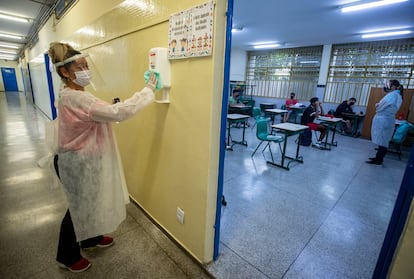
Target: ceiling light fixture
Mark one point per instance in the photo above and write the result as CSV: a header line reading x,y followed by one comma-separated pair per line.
x,y
11,36
369,5
266,46
309,62
237,29
9,46
8,51
7,57
385,34
14,18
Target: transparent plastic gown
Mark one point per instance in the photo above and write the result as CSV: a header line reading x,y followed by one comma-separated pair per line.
x,y
88,163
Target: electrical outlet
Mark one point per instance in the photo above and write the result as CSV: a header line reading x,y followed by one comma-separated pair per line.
x,y
180,215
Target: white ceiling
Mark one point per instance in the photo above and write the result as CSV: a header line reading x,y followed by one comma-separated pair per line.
x,y
290,23
297,23
31,9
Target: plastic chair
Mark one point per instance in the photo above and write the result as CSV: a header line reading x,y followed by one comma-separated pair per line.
x,y
263,135
399,137
257,115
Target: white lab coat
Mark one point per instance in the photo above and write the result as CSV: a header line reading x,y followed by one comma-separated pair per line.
x,y
88,163
383,124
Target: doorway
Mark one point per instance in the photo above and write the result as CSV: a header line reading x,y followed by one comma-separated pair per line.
x,y
9,79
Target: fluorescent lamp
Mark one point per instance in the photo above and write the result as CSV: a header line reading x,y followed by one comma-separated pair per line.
x,y
14,18
237,29
7,57
370,5
309,62
385,34
8,51
11,36
265,46
9,46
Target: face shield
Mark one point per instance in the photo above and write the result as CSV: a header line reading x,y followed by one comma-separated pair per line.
x,y
86,72
387,86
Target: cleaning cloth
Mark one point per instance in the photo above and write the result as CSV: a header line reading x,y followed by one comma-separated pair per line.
x,y
147,74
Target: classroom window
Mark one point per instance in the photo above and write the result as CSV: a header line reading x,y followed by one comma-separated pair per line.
x,y
355,68
275,73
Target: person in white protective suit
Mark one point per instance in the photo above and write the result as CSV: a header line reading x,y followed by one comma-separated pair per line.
x,y
87,161
383,124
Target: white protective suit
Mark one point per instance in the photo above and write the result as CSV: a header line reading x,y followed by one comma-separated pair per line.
x,y
88,164
383,124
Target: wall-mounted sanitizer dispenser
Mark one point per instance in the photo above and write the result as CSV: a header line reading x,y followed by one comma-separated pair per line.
x,y
158,60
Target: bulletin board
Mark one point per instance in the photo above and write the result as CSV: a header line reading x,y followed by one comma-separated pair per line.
x,y
191,32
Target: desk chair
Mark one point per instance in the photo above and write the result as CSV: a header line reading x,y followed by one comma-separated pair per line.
x,y
399,137
264,107
257,115
263,135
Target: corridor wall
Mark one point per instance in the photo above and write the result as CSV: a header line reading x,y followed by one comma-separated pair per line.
x,y
169,151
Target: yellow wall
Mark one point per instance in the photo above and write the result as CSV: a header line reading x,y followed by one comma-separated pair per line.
x,y
402,266
169,151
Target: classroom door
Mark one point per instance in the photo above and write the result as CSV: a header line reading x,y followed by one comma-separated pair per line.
x,y
9,79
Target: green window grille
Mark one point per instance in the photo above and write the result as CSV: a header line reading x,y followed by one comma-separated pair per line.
x,y
276,73
355,68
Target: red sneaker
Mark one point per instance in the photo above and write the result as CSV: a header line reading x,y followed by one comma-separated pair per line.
x,y
80,266
105,242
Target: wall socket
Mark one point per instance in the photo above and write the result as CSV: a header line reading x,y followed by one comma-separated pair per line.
x,y
180,215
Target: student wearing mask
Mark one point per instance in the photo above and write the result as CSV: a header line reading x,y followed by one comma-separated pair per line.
x,y
345,107
383,124
311,113
86,160
235,97
289,103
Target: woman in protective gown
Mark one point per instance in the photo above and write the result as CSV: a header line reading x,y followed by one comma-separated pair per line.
x,y
87,161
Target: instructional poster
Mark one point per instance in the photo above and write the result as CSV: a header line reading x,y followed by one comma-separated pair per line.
x,y
191,32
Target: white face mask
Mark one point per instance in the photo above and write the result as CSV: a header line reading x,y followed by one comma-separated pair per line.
x,y
82,78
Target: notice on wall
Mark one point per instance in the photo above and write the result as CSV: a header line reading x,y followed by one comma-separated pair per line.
x,y
191,32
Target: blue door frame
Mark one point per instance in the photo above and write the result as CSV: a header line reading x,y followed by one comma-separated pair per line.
x,y
50,86
223,128
9,79
397,222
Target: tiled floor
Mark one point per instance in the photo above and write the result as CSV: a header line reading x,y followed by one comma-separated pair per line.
x,y
31,211
325,218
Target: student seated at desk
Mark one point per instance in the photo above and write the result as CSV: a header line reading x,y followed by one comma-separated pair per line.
x,y
310,114
235,97
345,107
289,103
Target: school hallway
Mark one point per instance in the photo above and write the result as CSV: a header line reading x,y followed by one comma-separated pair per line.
x,y
32,210
325,218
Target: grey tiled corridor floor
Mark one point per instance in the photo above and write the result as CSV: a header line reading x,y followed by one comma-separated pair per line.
x,y
31,212
325,218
